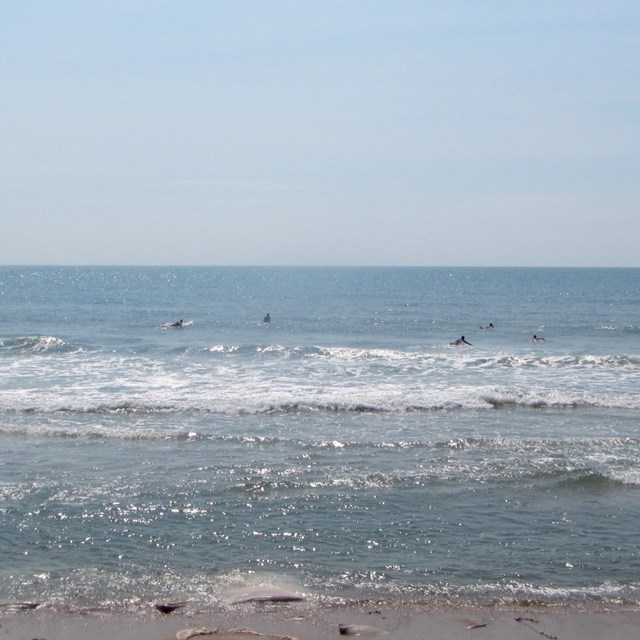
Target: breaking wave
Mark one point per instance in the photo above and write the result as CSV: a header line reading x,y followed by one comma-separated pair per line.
x,y
37,345
256,406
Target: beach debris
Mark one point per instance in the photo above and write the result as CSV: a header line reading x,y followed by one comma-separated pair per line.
x,y
251,632
169,607
262,595
527,622
19,606
478,625
358,630
185,634
472,624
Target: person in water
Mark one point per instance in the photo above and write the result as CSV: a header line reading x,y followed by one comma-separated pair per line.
x,y
460,341
266,319
177,324
537,338
489,326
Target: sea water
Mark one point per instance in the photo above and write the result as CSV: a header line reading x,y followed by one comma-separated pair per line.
x,y
346,450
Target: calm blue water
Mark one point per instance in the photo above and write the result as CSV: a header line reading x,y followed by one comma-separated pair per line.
x,y
346,450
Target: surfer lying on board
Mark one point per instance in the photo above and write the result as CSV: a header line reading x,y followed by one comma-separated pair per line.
x,y
537,338
176,325
460,341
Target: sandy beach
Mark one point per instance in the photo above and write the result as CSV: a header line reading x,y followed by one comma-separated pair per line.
x,y
275,621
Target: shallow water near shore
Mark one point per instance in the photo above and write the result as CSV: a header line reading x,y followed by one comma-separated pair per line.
x,y
344,451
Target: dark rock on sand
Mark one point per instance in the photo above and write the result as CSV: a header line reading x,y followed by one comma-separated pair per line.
x,y
358,630
168,607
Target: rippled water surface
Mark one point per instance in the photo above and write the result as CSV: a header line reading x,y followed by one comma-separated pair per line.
x,y
344,450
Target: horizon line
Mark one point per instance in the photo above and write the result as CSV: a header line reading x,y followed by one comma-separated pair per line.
x,y
310,266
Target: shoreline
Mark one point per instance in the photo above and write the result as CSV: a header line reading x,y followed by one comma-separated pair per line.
x,y
286,620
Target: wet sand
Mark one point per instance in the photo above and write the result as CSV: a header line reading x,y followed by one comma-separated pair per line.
x,y
409,622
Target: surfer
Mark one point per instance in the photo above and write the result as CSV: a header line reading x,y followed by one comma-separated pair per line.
x,y
266,319
460,341
489,326
178,324
537,338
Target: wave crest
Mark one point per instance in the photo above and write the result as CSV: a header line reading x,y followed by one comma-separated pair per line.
x,y
37,345
301,401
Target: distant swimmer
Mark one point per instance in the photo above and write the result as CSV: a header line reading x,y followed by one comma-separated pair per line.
x,y
178,324
267,319
489,326
460,341
537,338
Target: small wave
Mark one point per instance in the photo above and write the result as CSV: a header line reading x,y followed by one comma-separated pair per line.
x,y
462,444
259,407
352,353
419,361
96,432
337,354
303,402
508,399
525,594
320,484
613,361
38,344
630,329
539,403
582,478
125,408
118,408
224,348
585,361
108,591
588,480
255,350
627,476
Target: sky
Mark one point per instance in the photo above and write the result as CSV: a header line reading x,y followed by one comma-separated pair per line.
x,y
332,132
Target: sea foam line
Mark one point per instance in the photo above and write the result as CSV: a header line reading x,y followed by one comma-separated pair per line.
x,y
245,399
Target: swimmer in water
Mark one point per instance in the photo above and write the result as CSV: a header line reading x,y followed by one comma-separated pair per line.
x,y
537,338
177,324
267,319
460,341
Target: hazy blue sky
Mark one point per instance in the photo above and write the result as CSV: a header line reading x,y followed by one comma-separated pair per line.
x,y
395,132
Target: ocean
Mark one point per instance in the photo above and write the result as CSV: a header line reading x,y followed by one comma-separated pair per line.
x,y
345,450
